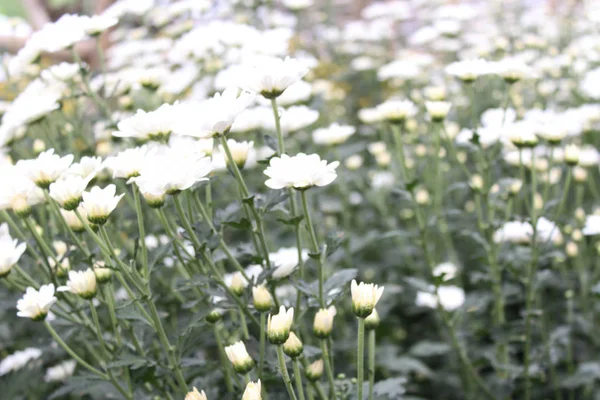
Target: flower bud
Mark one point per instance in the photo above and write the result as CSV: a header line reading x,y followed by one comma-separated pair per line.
x,y
20,206
102,273
515,187
364,298
438,110
263,301
238,283
580,174
571,155
154,200
314,371
372,321
214,316
323,323
538,202
354,162
239,357
279,325
476,182
81,283
293,347
422,197
571,249
196,395
38,146
60,268
253,391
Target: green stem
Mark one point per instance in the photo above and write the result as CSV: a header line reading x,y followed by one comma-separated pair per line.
x,y
399,142
328,366
371,367
261,359
284,373
315,245
110,301
298,378
72,353
360,358
224,361
280,142
142,231
94,96
169,350
245,195
98,329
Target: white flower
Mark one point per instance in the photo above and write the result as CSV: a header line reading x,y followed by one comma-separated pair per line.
x,y
450,298
571,155
10,251
86,167
60,372
213,117
72,220
239,357
295,118
323,323
99,203
239,151
196,395
18,192
592,225
512,69
271,76
96,24
333,134
297,4
63,72
252,391
55,36
438,110
515,232
36,304
469,70
67,191
447,269
18,360
46,168
170,171
364,297
154,125
285,261
81,283
128,163
279,325
396,111
301,171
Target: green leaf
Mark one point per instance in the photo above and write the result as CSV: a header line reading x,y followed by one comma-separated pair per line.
x,y
586,374
391,389
339,279
132,313
427,348
244,224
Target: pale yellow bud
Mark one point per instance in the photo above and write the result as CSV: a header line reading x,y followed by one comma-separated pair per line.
x,y
314,372
323,323
196,395
263,301
571,249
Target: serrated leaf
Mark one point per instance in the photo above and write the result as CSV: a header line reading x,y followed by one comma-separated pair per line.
x,y
339,279
428,348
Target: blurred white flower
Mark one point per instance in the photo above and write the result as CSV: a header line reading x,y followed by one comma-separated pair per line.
x,y
18,360
213,117
154,125
271,76
592,225
295,118
10,250
469,70
301,171
60,372
333,134
285,261
46,168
